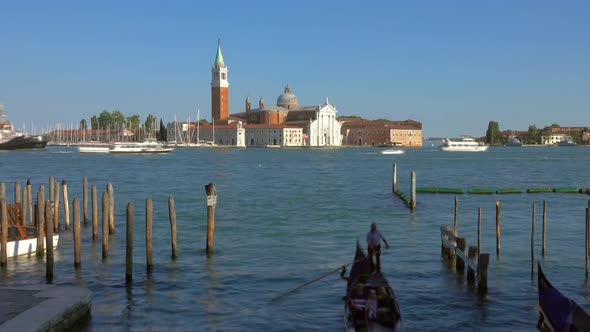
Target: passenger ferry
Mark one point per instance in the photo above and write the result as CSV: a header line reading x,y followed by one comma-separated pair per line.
x,y
139,147
466,144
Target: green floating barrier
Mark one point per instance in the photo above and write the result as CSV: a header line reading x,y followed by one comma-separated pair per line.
x,y
480,191
509,191
427,190
450,191
567,190
539,190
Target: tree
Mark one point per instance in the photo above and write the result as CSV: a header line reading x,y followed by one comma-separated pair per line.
x,y
94,122
577,136
83,124
117,120
493,134
149,124
162,136
533,134
132,123
104,120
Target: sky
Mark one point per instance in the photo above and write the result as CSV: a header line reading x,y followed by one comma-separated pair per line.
x,y
454,66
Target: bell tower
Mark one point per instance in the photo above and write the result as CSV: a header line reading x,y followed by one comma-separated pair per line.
x,y
219,87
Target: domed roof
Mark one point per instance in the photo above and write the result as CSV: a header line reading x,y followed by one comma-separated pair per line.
x,y
287,99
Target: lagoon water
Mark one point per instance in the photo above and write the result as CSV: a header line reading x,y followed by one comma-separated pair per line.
x,y
286,216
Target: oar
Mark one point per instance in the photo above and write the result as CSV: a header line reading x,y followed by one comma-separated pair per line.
x,y
310,282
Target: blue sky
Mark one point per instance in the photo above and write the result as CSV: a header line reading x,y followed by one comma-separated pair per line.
x,y
452,65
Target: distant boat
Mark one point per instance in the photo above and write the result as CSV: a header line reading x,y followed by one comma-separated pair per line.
x,y
389,145
139,147
556,311
465,144
514,142
392,151
567,142
11,139
94,147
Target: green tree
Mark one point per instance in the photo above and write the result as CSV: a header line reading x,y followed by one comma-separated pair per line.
x,y
117,120
577,136
149,125
83,124
533,134
94,122
104,120
133,122
162,136
493,134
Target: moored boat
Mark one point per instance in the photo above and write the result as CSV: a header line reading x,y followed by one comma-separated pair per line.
x,y
11,139
556,311
465,144
370,303
566,142
22,240
514,142
392,151
94,147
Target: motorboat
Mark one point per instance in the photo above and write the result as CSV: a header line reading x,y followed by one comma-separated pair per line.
x,y
513,141
465,144
392,151
22,240
149,146
94,147
370,303
566,142
11,139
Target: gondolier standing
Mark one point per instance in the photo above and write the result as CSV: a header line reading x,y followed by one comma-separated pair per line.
x,y
374,238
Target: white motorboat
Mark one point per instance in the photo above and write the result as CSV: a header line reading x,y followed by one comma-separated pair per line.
x,y
465,144
392,151
139,147
94,147
11,139
22,240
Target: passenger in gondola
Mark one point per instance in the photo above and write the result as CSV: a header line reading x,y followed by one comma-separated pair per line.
x,y
374,238
371,306
357,305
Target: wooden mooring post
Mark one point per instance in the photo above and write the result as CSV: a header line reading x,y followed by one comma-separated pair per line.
x,y
129,243
587,243
94,213
413,194
16,192
394,179
497,228
23,207
456,216
40,220
30,201
148,235
172,216
544,228
56,208
77,252
476,263
2,190
4,237
211,202
49,241
478,231
64,189
105,225
111,208
533,242
85,199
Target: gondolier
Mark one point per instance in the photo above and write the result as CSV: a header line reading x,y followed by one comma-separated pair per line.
x,y
374,237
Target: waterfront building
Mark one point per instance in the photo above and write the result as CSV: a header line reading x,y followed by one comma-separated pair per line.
x,y
273,135
219,87
362,132
554,139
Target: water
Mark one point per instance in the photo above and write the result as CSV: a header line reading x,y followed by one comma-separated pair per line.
x,y
286,216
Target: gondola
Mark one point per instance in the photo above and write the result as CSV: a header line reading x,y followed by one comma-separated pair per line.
x,y
370,303
556,311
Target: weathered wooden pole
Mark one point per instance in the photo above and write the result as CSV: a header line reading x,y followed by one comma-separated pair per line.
x,y
148,234
456,217
444,249
85,199
129,244
461,244
482,272
172,215
533,242
4,237
64,186
2,190
49,241
587,242
77,253
472,256
478,231
23,207
394,179
94,213
211,202
544,228
56,208
413,194
111,208
51,190
40,220
105,225
498,228
16,192
30,201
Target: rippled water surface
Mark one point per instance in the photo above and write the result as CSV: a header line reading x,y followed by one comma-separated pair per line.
x,y
286,216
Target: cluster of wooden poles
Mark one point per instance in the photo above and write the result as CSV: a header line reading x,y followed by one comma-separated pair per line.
x,y
411,201
44,215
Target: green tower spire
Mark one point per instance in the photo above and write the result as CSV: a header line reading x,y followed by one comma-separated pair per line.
x,y
219,56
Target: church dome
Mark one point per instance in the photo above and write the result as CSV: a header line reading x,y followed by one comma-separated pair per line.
x,y
287,99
